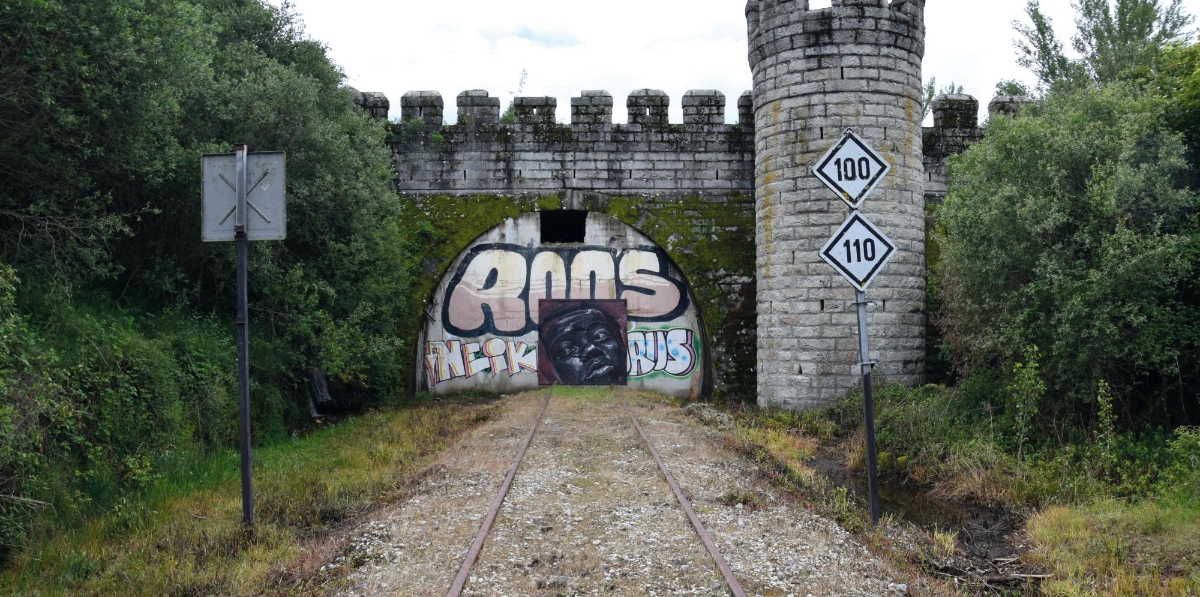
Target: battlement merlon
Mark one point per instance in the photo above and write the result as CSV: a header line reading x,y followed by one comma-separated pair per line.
x,y
592,109
746,112
955,111
1008,105
422,105
648,107
704,106
477,109
534,110
789,27
374,103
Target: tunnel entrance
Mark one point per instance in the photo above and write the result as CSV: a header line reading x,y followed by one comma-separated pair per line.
x,y
481,327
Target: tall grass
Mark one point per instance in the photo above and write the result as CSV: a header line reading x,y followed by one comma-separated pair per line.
x,y
183,534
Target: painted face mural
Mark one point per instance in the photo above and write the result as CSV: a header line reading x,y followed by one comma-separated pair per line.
x,y
583,343
620,313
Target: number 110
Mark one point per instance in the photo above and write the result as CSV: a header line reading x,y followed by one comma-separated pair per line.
x,y
864,250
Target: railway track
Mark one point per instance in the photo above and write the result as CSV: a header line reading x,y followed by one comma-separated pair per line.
x,y
464,574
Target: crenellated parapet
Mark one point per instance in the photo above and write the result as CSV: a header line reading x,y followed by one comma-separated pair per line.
x,y
955,128
536,154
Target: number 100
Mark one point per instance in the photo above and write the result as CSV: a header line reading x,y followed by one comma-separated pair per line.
x,y
851,169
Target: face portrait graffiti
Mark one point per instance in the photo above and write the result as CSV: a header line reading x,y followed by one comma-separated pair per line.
x,y
582,342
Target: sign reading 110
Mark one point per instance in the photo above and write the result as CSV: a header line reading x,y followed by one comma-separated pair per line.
x,y
863,250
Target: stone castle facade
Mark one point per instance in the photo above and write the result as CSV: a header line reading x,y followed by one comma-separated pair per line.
x,y
816,73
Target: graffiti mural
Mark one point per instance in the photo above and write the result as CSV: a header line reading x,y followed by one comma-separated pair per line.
x,y
583,342
669,351
453,358
514,311
497,286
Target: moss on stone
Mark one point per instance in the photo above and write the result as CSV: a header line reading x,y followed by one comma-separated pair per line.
x,y
712,241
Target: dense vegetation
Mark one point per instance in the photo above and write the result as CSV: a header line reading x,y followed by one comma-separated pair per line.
x,y
116,350
1067,286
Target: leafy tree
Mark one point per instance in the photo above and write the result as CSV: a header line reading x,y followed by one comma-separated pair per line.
x,y
87,109
106,107
1012,87
1113,39
1177,78
1073,229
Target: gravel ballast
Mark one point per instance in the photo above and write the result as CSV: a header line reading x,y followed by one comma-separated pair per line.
x,y
589,513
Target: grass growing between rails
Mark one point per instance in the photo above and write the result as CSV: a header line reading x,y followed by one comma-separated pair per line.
x,y
183,536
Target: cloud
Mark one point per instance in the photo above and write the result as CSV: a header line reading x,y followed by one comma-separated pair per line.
x,y
546,38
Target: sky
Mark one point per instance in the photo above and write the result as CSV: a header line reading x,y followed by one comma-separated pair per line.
x,y
564,47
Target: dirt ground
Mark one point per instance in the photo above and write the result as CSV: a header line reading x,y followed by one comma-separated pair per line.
x,y
589,513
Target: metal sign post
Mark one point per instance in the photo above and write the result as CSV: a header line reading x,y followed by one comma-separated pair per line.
x,y
860,301
226,181
243,334
858,251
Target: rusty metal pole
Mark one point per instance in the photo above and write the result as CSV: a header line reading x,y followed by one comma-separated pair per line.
x,y
243,334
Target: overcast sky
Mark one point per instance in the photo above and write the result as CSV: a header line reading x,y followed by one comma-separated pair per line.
x,y
396,46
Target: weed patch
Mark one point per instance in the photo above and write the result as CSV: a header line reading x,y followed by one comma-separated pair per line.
x,y
1112,547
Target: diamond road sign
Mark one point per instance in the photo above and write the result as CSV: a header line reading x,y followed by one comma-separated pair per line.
x,y
266,217
851,169
858,250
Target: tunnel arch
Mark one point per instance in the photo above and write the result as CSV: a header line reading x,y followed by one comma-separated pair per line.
x,y
481,326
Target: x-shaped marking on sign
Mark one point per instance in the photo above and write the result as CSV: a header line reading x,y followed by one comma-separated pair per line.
x,y
251,190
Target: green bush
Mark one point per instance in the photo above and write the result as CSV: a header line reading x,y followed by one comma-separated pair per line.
x,y
98,400
30,397
1072,229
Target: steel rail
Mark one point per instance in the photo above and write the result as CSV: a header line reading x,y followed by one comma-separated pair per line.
x,y
464,572
730,579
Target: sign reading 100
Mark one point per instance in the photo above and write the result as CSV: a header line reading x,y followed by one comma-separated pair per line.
x,y
851,169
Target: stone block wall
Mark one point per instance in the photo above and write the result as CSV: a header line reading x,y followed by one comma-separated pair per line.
x,y
780,321
855,65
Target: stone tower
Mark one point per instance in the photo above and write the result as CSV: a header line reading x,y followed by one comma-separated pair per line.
x,y
855,65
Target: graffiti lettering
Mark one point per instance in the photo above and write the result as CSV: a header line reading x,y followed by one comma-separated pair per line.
x,y
453,358
496,287
670,351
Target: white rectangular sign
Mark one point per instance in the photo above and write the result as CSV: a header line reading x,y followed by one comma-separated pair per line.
x,y
266,202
